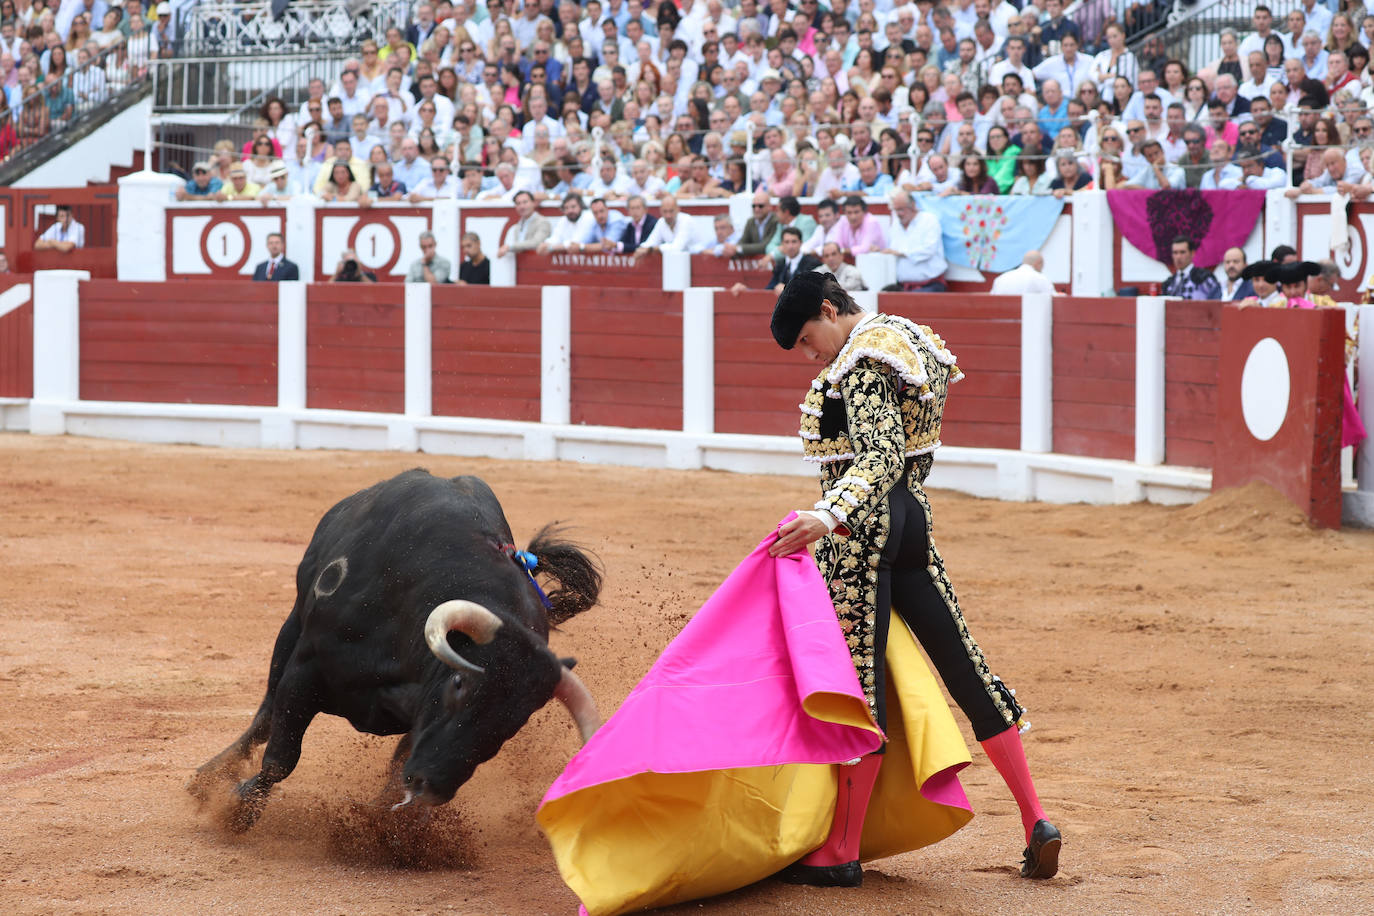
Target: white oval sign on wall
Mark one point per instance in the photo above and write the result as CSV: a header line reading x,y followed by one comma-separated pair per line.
x,y
1264,389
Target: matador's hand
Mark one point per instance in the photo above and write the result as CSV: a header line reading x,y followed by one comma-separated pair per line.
x,y
797,534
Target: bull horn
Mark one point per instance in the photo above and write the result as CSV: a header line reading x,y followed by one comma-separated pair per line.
x,y
572,693
467,617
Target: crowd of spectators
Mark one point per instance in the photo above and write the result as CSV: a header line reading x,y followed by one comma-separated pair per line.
x,y
59,58
618,98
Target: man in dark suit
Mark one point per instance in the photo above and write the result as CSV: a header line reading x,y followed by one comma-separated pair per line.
x,y
276,267
637,227
789,262
760,228
422,27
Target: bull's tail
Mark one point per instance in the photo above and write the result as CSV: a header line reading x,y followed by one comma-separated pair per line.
x,y
576,572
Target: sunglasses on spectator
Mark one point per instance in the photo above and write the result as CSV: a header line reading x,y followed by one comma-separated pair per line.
x,y
1255,133
1111,139
1195,141
1133,130
1364,130
760,206
438,168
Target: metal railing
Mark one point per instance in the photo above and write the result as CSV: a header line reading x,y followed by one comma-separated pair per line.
x,y
50,114
228,28
226,84
1194,34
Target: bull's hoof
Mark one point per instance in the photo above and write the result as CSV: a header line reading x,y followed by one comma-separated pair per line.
x,y
244,814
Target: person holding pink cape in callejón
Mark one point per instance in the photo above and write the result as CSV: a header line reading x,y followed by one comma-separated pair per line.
x,y
792,729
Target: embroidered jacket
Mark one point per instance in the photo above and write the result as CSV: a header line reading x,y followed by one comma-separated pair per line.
x,y
873,410
886,387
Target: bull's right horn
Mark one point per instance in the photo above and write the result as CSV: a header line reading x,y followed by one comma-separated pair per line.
x,y
467,617
572,693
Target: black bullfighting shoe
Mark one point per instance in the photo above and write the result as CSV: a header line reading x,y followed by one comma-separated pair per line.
x,y
1041,858
850,874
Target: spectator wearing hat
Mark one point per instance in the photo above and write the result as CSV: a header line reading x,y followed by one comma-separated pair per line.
x,y
278,184
1189,281
164,33
240,188
276,268
1265,292
202,184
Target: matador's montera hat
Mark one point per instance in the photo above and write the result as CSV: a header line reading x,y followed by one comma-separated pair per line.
x,y
799,303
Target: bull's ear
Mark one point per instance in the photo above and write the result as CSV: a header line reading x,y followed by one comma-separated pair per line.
x,y
568,662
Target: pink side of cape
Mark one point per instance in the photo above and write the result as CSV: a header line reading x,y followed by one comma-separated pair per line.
x,y
728,691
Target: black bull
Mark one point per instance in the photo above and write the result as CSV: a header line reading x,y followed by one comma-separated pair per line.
x,y
413,616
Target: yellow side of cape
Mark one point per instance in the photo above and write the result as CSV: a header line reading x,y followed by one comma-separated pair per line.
x,y
660,838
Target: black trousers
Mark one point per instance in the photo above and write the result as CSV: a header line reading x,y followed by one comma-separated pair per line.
x,y
904,584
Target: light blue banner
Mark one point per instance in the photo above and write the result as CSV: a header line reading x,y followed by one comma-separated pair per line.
x,y
992,233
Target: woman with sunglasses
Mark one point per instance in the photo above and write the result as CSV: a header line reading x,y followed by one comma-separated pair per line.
x,y
1194,100
1110,174
258,166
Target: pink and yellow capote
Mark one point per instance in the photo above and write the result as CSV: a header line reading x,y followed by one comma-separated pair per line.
x,y
719,768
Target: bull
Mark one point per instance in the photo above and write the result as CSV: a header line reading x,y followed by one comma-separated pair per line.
x,y
415,615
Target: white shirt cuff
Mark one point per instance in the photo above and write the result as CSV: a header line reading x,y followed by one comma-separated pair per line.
x,y
830,522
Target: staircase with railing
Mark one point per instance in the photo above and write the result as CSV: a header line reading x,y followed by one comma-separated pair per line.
x,y
1192,33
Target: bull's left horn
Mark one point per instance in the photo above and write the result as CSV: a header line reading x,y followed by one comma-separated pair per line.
x,y
466,616
572,693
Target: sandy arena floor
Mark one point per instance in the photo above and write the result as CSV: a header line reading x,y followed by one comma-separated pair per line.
x,y
1197,678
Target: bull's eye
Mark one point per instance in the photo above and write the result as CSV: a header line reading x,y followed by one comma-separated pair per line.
x,y
457,682
455,686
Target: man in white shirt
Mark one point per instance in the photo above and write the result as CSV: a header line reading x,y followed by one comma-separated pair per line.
x,y
1148,85
539,116
916,240
64,235
644,182
847,275
840,174
1260,177
1263,21
1259,82
355,99
1223,175
827,220
410,170
1015,50
1172,140
1069,68
1157,173
1233,282
571,229
674,231
1318,17
609,183
1028,278
439,184
505,189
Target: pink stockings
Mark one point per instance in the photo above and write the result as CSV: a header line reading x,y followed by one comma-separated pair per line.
x,y
851,804
1007,755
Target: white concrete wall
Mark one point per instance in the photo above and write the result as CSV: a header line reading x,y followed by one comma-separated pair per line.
x,y
1030,473
112,144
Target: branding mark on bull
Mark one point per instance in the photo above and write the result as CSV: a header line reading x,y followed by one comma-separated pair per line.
x,y
331,577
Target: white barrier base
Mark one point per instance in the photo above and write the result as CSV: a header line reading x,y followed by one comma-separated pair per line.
x,y
992,473
14,414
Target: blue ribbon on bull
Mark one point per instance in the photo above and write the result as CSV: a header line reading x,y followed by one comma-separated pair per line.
x,y
529,562
992,233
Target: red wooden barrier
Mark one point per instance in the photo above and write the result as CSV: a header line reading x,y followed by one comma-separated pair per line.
x,y
1192,346
627,358
94,208
355,346
16,344
168,342
1094,377
1292,443
486,352
758,384
984,333
598,270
